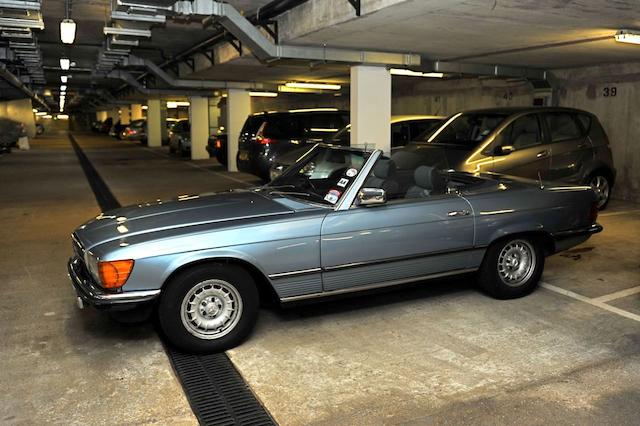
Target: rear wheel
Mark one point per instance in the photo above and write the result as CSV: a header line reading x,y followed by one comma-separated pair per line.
x,y
512,267
209,308
602,187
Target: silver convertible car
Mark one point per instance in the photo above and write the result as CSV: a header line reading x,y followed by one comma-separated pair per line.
x,y
338,221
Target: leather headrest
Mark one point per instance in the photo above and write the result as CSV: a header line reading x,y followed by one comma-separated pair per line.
x,y
428,178
383,169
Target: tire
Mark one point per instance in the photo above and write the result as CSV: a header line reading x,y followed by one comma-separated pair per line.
x,y
501,278
222,282
601,184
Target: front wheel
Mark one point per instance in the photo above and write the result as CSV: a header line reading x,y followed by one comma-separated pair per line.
x,y
209,308
511,268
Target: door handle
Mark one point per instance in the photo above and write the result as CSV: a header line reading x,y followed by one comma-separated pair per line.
x,y
542,154
459,213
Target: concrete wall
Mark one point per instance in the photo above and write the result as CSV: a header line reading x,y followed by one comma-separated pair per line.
x,y
612,92
20,110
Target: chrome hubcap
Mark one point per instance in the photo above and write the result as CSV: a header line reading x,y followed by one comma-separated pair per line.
x,y
600,185
516,262
211,309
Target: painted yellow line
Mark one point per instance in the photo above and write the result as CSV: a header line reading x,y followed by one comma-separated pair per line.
x,y
618,294
590,301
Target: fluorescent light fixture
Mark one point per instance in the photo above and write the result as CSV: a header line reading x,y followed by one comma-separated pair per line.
x,y
41,114
411,73
628,36
174,104
320,86
64,78
63,88
65,63
47,116
34,110
63,117
313,109
145,107
67,31
263,94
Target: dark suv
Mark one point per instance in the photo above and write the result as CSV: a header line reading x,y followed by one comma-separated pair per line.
x,y
267,135
553,144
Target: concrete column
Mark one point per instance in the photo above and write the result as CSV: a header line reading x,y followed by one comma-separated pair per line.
x,y
114,114
125,115
155,123
136,111
214,115
371,107
238,108
101,115
199,119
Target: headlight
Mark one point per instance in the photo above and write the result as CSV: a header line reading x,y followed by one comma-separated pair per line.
x,y
91,261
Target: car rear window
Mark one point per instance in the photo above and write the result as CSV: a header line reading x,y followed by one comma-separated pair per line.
x,y
252,124
562,126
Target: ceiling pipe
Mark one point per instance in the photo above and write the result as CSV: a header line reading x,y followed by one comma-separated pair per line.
x,y
16,82
183,83
131,81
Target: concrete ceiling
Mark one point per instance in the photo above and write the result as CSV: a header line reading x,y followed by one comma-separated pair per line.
x,y
479,30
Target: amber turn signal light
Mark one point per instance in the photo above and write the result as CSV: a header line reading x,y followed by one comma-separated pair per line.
x,y
115,273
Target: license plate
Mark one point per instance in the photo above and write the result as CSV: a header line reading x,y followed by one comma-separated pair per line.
x,y
243,156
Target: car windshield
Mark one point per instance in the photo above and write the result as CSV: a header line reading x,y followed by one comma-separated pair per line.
x,y
322,175
466,130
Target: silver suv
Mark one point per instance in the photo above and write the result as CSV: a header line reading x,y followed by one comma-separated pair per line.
x,y
547,143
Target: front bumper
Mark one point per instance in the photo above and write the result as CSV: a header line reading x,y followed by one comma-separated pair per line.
x,y
90,293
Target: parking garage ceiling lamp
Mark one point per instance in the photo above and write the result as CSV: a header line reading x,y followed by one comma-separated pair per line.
x,y
65,63
321,86
628,36
263,94
63,88
174,105
410,73
64,79
67,31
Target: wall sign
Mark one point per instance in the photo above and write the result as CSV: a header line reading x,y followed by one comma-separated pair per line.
x,y
609,91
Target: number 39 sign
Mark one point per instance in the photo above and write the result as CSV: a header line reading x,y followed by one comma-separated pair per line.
x,y
609,91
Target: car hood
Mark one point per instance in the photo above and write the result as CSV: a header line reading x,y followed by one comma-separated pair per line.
x,y
182,212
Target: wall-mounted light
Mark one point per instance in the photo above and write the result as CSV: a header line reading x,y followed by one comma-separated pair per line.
x,y
411,73
263,94
320,86
67,31
34,110
65,63
64,78
628,36
41,114
144,107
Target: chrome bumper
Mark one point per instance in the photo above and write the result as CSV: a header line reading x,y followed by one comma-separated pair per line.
x,y
90,293
589,230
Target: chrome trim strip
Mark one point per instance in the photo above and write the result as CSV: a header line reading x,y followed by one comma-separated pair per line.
x,y
593,229
375,286
370,262
295,273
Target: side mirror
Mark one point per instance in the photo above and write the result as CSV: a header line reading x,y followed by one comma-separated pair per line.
x,y
504,150
371,196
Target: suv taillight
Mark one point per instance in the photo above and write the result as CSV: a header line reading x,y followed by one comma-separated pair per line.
x,y
264,141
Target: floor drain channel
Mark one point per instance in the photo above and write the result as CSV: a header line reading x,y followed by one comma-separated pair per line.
x,y
216,391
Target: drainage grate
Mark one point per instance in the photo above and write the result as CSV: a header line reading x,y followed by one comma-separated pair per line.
x,y
217,393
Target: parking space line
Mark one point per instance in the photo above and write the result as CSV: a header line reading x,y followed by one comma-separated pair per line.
x,y
619,213
590,301
201,167
618,294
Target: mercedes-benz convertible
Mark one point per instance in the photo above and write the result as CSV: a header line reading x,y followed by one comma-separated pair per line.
x,y
338,221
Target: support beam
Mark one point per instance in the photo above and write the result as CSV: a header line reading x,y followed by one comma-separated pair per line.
x,y
136,112
238,108
371,107
155,124
199,119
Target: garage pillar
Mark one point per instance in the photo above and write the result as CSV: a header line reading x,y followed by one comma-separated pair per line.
x,y
199,119
136,111
114,113
238,108
155,122
125,115
101,115
371,107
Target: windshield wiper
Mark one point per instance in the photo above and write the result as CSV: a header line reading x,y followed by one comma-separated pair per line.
x,y
304,194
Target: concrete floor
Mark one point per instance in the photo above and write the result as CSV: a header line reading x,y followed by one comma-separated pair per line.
x,y
439,352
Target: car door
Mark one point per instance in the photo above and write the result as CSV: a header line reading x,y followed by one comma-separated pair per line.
x,y
570,146
524,152
402,240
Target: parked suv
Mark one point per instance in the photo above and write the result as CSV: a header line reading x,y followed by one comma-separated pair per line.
x,y
547,143
267,135
180,138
